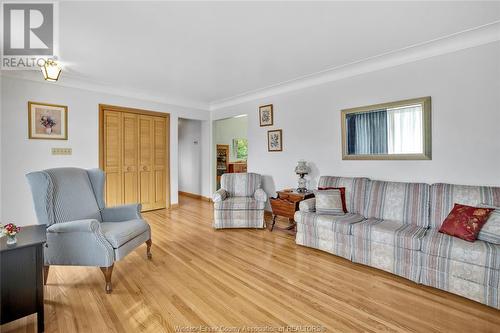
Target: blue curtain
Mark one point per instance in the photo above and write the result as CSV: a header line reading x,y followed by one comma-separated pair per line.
x,y
367,133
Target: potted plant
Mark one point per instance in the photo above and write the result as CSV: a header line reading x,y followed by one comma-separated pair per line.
x,y
10,230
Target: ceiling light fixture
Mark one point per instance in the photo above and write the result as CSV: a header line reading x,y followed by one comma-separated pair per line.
x,y
51,69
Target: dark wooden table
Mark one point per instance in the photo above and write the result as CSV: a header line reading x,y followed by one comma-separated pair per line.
x,y
286,204
21,274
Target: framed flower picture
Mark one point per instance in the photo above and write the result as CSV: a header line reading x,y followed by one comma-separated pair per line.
x,y
266,115
275,140
47,121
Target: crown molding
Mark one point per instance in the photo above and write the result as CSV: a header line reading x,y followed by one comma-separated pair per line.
x,y
481,35
68,80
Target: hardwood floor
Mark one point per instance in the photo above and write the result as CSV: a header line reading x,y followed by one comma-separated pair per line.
x,y
236,278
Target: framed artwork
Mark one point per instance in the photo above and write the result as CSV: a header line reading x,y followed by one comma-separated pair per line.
x,y
275,140
266,115
47,121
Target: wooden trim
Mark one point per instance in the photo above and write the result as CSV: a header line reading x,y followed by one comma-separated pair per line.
x,y
174,206
195,196
48,104
103,107
426,129
133,110
191,195
167,162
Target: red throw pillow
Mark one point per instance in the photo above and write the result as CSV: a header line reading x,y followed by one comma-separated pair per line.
x,y
342,195
465,221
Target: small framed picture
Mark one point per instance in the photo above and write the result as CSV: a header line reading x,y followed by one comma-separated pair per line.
x,y
275,140
266,115
47,121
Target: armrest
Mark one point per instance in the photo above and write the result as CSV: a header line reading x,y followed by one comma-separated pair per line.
x,y
260,195
308,205
80,243
121,213
220,195
90,226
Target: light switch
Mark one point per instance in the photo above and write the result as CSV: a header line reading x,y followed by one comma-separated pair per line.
x,y
62,151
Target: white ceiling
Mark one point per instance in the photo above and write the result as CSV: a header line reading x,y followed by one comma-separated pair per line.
x,y
209,51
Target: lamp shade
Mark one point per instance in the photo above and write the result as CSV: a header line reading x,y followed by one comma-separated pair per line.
x,y
302,168
51,70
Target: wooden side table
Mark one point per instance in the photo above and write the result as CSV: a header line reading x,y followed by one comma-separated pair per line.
x,y
21,280
286,204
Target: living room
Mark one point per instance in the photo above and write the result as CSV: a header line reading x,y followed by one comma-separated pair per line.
x,y
261,166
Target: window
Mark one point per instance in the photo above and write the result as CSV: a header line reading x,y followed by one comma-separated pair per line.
x,y
240,148
397,130
404,130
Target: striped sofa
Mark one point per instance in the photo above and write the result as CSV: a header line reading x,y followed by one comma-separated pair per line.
x,y
394,227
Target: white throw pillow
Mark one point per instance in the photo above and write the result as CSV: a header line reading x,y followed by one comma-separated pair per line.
x,y
329,202
490,232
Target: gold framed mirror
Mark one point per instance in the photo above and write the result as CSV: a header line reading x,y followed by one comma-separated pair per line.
x,y
398,130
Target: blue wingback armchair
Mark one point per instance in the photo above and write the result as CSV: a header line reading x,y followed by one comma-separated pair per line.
x,y
81,231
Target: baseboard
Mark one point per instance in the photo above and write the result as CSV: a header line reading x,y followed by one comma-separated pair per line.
x,y
174,206
195,196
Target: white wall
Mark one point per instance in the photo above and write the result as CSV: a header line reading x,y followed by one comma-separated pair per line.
x,y
465,91
24,155
1,151
206,162
190,156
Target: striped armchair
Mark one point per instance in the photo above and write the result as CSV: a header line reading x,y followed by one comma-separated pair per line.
x,y
81,231
240,202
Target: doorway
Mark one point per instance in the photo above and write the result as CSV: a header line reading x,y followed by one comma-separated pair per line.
x,y
230,146
190,157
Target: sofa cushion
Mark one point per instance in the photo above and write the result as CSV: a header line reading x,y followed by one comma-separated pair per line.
x,y
355,189
404,202
342,195
444,196
330,202
395,233
477,253
241,184
333,223
119,233
73,195
465,222
239,203
490,232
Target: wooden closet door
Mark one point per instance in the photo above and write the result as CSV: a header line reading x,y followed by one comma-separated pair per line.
x,y
160,162
112,127
146,188
130,158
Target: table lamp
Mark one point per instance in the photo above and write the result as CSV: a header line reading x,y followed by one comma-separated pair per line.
x,y
302,169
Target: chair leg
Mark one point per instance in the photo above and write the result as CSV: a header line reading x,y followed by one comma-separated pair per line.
x,y
148,248
107,271
45,274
